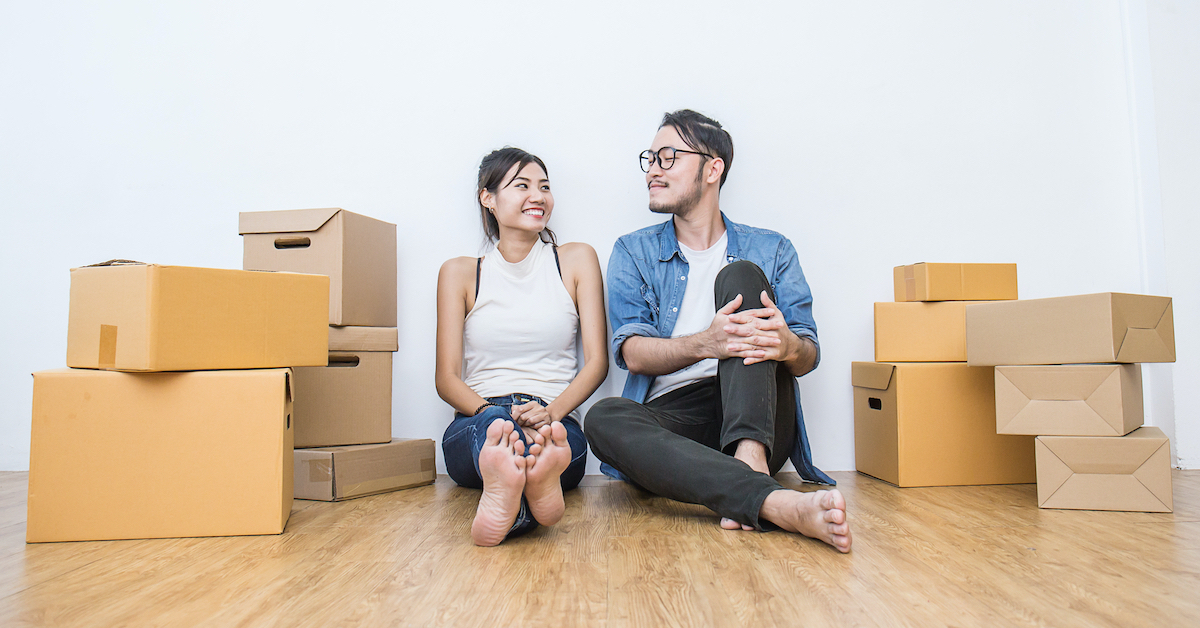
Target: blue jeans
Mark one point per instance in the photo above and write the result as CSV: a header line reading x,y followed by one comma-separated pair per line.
x,y
466,435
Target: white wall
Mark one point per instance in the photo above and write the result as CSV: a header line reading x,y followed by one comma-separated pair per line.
x,y
873,135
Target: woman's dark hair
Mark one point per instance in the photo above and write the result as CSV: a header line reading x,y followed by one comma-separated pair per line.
x,y
704,134
492,171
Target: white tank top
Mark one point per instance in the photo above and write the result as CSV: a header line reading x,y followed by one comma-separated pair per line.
x,y
520,336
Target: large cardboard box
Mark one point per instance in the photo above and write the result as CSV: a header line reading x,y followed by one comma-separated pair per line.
x,y
921,332
1088,328
152,455
356,252
348,401
145,317
337,473
1130,472
1069,399
933,424
955,282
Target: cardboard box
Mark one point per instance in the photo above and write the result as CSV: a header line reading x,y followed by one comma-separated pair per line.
x,y
363,339
955,282
1130,472
1069,400
356,252
145,317
933,424
1088,328
337,473
921,332
349,401
153,455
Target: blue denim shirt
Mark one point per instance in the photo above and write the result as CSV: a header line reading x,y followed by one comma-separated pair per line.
x,y
647,275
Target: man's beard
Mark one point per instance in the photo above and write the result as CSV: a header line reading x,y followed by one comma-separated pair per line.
x,y
685,205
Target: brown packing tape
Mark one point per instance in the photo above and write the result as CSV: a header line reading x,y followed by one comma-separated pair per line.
x,y
427,464
320,470
108,346
381,485
910,282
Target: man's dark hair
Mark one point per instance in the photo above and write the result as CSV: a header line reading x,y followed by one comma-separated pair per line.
x,y
702,133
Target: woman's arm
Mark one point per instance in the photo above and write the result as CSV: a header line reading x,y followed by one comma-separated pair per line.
x,y
581,276
455,296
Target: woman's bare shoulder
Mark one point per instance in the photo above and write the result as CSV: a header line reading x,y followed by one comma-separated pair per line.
x,y
458,269
580,252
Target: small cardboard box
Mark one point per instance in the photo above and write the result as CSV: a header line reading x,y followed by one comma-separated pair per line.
x,y
1130,472
1083,329
145,317
154,455
1069,400
955,282
336,473
356,252
348,401
933,424
921,332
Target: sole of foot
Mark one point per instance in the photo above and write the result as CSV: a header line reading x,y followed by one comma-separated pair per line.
x,y
502,464
550,455
820,515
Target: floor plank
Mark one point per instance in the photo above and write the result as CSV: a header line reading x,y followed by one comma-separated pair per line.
x,y
959,556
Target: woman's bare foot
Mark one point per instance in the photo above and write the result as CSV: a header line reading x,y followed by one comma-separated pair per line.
x,y
502,464
754,454
550,455
820,515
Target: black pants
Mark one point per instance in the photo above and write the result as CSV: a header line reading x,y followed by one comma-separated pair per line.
x,y
681,445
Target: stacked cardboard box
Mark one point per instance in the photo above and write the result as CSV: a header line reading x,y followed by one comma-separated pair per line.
x,y
175,418
922,416
1067,370
343,409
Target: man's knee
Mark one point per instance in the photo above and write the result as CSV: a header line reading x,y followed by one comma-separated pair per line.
x,y
745,278
603,415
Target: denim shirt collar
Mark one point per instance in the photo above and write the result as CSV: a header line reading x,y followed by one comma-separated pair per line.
x,y
668,243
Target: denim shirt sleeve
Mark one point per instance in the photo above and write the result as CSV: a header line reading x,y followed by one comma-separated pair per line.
x,y
632,306
794,296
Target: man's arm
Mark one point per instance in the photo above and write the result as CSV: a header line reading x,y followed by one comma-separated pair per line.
x,y
659,356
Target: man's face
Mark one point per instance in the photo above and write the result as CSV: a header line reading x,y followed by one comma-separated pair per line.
x,y
676,190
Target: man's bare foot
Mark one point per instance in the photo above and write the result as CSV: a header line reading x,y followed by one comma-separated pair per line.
x,y
820,515
502,464
551,453
754,454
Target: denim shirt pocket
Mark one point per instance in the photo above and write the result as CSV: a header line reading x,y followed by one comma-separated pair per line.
x,y
648,295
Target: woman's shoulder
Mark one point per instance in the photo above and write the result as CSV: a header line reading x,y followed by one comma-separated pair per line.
x,y
458,268
577,251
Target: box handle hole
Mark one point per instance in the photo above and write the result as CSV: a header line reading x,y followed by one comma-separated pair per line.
x,y
875,402
292,243
346,361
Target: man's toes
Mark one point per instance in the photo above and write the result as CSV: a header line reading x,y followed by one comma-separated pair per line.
x,y
833,499
730,524
835,516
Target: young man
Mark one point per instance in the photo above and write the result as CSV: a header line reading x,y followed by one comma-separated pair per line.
x,y
713,320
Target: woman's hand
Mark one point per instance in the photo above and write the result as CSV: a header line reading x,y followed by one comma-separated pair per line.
x,y
532,415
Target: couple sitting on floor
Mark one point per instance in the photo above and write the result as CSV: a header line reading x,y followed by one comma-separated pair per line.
x,y
712,319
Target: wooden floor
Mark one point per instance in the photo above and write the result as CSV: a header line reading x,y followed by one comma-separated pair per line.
x,y
979,556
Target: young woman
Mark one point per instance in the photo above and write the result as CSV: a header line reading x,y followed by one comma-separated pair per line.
x,y
507,325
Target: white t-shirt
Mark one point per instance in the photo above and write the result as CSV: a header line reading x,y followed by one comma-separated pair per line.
x,y
695,313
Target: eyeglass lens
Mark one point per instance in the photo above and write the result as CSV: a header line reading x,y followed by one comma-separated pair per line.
x,y
665,158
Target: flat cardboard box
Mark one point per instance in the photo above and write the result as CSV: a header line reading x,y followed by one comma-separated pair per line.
x,y
146,317
1083,329
336,473
933,424
348,402
1130,472
955,282
363,339
1069,399
921,332
155,455
356,252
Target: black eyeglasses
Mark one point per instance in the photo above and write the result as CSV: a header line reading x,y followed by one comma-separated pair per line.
x,y
665,157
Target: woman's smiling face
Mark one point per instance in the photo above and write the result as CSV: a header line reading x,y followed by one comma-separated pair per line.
x,y
524,201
